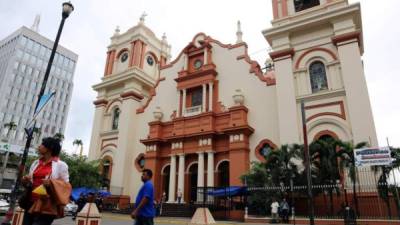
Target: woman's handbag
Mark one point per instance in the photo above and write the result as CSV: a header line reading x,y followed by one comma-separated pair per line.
x,y
24,201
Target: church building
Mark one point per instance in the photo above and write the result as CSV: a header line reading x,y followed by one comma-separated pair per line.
x,y
201,118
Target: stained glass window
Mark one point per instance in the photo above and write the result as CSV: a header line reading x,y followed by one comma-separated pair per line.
x,y
318,77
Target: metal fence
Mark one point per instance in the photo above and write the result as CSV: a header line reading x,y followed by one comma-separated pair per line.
x,y
329,201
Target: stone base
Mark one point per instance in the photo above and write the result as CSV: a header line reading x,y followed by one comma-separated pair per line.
x,y
18,216
202,216
89,215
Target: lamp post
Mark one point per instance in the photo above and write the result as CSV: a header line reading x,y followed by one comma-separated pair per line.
x,y
67,8
308,166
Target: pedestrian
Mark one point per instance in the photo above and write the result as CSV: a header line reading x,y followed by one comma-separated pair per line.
x,y
99,202
274,211
144,211
163,200
284,206
81,202
52,173
179,196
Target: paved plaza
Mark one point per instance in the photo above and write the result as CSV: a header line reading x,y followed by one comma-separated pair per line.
x,y
120,219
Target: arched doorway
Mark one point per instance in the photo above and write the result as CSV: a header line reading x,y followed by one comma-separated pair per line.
x,y
106,171
165,181
223,174
192,183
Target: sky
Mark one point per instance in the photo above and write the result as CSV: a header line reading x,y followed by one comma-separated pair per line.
x,y
88,30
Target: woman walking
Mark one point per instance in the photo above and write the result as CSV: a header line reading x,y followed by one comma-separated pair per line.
x,y
52,173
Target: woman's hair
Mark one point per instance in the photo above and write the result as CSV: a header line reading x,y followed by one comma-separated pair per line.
x,y
53,144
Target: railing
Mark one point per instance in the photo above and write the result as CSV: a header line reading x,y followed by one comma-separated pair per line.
x,y
194,110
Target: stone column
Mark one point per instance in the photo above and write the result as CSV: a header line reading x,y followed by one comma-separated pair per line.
x,y
200,175
185,62
210,97
96,129
181,176
286,99
205,56
203,105
122,166
178,104
172,179
359,106
184,102
210,169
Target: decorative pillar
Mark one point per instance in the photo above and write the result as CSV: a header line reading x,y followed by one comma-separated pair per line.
x,y
205,56
178,113
181,176
210,97
107,62
184,102
200,175
210,169
286,97
111,62
97,127
132,58
172,179
142,54
359,106
203,105
185,62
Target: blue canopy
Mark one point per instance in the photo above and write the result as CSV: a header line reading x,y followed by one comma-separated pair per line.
x,y
228,191
76,192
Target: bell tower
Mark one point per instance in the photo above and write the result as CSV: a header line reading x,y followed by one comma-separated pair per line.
x,y
317,49
131,72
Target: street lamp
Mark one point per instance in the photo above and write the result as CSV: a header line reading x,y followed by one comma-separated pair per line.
x,y
67,8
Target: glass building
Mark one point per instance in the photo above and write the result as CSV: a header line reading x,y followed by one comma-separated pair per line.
x,y
24,56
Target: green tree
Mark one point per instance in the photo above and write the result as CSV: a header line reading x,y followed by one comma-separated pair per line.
x,y
82,173
347,162
59,136
78,143
324,158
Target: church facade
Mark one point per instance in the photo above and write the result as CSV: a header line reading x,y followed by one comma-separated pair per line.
x,y
202,118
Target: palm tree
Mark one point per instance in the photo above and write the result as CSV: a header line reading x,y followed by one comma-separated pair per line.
x,y
78,142
59,136
9,127
347,161
37,131
324,158
285,163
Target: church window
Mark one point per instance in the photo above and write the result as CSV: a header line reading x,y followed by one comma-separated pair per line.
x,y
318,77
197,97
115,118
265,150
150,60
124,57
300,5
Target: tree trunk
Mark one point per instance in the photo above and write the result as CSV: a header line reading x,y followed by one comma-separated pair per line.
x,y
355,199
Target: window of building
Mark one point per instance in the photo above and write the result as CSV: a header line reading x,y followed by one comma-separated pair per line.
x,y
197,97
300,5
23,40
265,150
115,119
318,77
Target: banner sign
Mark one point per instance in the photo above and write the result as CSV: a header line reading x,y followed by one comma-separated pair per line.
x,y
372,156
16,149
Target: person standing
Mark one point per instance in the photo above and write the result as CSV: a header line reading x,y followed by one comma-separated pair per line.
x,y
179,196
144,211
42,172
285,211
274,211
81,203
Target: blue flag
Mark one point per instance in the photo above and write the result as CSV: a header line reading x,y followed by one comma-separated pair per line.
x,y
43,101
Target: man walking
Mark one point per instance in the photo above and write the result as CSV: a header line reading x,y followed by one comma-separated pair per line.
x,y
144,208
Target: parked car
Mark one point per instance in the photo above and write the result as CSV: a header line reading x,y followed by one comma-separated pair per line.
x,y
70,209
4,206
